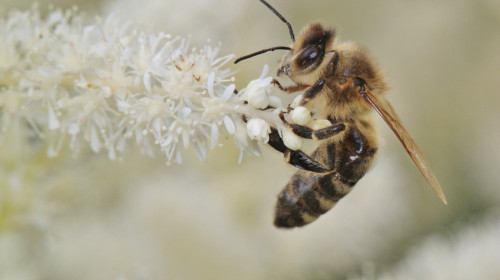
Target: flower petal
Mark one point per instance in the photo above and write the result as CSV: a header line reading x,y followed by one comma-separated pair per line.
x,y
214,135
230,127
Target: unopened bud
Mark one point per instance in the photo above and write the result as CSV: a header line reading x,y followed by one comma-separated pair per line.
x,y
291,140
258,129
300,115
318,124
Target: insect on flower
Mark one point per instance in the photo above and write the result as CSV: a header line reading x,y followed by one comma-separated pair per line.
x,y
343,85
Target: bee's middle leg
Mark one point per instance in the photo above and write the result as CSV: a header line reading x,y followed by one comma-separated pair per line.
x,y
312,92
319,134
309,133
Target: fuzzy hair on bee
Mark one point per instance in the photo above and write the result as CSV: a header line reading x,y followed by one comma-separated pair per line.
x,y
341,84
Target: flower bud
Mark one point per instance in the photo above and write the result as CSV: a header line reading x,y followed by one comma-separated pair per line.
x,y
258,129
258,98
316,124
256,93
300,115
291,140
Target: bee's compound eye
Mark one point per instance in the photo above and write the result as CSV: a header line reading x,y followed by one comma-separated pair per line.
x,y
308,56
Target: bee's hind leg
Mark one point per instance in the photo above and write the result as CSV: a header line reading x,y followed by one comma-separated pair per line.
x,y
296,158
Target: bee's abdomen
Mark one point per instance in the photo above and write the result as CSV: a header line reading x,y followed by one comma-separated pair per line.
x,y
305,198
308,195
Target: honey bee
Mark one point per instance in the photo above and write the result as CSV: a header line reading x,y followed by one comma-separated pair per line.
x,y
342,84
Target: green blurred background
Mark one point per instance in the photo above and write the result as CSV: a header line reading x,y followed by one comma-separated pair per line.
x,y
91,218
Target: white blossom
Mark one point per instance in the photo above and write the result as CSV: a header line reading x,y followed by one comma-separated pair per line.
x,y
110,87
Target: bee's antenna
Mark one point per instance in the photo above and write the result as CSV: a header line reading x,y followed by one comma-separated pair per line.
x,y
273,48
261,52
281,17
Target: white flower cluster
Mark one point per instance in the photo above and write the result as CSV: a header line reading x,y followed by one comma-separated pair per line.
x,y
112,86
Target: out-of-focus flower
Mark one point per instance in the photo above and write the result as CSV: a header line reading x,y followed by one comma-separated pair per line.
x,y
112,86
470,253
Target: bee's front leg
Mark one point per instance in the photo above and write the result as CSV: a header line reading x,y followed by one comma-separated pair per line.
x,y
308,95
296,158
290,89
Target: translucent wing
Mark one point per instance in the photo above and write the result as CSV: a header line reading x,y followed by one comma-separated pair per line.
x,y
386,111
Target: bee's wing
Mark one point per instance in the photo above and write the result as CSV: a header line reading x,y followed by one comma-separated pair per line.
x,y
386,111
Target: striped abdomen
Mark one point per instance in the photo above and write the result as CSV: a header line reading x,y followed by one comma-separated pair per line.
x,y
309,194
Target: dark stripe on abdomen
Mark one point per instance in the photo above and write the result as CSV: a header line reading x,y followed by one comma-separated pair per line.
x,y
305,198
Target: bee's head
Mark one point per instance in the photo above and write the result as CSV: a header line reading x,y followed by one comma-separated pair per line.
x,y
308,53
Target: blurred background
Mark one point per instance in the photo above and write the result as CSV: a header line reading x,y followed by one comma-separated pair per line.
x,y
92,218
